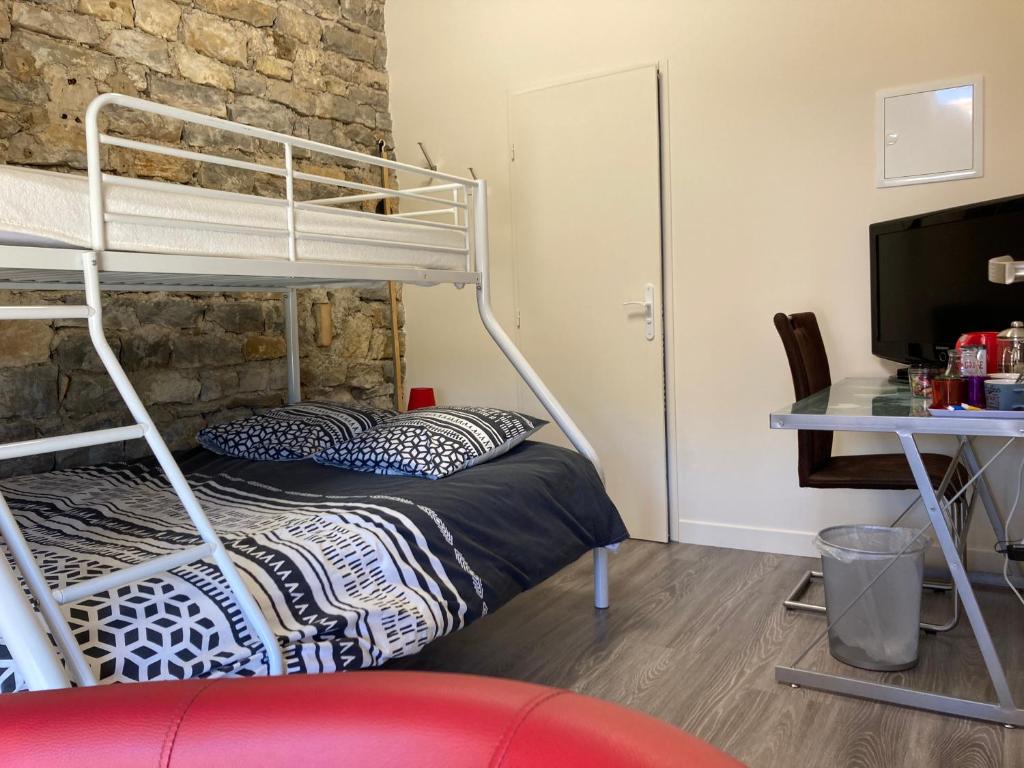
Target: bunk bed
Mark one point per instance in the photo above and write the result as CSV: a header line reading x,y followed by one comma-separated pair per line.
x,y
86,545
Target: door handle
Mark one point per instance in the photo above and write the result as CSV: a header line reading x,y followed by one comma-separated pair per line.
x,y
647,307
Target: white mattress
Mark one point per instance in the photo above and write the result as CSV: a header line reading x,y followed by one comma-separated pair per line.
x,y
52,209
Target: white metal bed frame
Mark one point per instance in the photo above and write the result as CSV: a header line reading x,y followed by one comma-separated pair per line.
x,y
22,628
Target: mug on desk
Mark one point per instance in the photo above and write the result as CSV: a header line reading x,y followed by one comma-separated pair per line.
x,y
1004,395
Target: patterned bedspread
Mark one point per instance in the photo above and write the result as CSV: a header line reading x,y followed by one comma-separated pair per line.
x,y
351,569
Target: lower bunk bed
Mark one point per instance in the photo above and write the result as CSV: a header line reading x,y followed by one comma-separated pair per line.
x,y
351,569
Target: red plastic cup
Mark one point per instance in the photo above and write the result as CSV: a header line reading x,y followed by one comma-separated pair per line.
x,y
421,397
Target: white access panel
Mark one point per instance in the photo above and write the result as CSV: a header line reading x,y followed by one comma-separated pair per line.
x,y
929,132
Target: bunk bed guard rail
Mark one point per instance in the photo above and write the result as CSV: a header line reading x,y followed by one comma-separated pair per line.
x,y
448,199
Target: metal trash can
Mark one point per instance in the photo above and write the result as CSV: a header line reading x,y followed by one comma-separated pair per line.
x,y
881,631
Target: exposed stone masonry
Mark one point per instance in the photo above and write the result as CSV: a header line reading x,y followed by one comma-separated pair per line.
x,y
312,68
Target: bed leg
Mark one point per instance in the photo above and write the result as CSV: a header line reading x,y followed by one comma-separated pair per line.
x,y
601,577
26,641
291,335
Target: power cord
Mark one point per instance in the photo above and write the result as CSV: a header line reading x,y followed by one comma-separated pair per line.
x,y
1012,549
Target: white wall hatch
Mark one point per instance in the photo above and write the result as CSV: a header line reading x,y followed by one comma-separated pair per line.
x,y
929,132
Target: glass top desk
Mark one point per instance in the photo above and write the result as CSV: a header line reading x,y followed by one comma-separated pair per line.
x,y
878,405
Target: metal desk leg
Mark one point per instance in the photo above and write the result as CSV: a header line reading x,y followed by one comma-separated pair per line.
x,y
956,569
1005,711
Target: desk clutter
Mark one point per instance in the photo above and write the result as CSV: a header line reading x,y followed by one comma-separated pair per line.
x,y
873,576
985,372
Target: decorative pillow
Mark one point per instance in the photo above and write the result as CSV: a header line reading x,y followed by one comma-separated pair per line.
x,y
432,442
292,432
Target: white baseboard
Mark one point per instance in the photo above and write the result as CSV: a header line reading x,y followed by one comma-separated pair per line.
x,y
781,541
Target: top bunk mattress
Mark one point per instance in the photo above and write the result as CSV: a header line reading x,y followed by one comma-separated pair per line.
x,y
44,208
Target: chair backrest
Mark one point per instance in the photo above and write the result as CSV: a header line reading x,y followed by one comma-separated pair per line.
x,y
808,364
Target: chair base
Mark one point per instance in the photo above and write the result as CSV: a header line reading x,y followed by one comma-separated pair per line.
x,y
794,602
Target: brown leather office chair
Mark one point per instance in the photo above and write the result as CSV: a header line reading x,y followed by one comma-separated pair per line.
x,y
818,468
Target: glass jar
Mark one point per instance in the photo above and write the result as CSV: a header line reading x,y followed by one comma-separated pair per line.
x,y
973,360
974,368
950,388
920,378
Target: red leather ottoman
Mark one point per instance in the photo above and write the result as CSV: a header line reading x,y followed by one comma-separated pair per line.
x,y
375,718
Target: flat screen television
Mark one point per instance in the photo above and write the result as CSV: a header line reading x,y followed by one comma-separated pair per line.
x,y
929,278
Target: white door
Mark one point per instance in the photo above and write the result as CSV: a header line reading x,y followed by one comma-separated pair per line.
x,y
586,209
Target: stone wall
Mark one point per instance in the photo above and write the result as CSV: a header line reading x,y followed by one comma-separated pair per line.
x,y
313,68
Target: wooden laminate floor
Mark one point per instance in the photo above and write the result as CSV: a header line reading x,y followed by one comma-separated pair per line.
x,y
693,636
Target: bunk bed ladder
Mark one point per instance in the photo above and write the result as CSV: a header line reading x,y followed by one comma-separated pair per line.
x,y
35,655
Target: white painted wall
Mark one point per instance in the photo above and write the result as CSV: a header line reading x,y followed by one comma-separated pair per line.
x,y
770,132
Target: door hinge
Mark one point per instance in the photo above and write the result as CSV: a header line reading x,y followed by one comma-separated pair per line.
x,y
519,319
513,153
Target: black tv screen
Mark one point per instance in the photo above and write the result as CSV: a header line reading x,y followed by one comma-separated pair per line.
x,y
929,278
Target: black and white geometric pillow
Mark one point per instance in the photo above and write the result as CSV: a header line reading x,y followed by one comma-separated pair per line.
x,y
293,432
432,442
